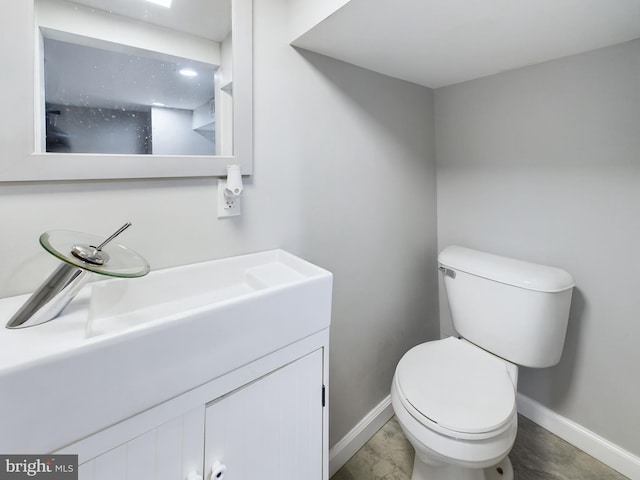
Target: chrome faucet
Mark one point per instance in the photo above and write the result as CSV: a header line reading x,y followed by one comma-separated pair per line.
x,y
78,263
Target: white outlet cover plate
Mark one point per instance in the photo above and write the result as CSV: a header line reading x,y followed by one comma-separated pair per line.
x,y
223,209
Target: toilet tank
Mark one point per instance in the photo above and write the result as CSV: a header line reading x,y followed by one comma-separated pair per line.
x,y
514,309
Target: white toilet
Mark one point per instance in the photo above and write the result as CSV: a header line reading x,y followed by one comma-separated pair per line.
x,y
455,398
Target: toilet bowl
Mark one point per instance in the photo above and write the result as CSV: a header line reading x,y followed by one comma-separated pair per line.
x,y
455,398
456,404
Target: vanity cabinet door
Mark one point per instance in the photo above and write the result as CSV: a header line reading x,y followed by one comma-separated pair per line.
x,y
168,452
270,429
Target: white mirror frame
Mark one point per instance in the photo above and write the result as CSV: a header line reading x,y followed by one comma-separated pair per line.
x,y
20,160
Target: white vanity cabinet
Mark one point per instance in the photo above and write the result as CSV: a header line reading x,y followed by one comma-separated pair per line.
x,y
272,427
221,362
166,452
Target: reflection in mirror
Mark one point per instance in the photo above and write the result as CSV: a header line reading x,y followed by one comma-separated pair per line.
x,y
125,77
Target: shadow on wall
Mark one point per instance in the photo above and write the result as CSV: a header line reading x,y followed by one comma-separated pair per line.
x,y
389,109
552,386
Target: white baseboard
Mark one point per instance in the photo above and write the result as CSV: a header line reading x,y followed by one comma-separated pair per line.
x,y
587,441
353,441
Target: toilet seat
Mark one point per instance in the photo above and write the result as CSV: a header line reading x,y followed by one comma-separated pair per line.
x,y
456,387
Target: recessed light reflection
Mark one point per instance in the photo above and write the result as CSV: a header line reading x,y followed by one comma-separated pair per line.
x,y
163,3
158,104
188,72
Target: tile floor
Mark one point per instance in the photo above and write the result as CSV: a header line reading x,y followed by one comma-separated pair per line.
x,y
536,455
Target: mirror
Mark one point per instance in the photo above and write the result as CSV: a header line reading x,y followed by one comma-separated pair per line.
x,y
148,107
112,95
135,89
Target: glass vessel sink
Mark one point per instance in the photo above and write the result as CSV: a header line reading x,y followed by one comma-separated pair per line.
x,y
122,261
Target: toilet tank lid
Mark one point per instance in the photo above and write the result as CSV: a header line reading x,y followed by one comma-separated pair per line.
x,y
531,276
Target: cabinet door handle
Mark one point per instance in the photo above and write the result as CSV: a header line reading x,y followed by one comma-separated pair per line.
x,y
217,471
194,476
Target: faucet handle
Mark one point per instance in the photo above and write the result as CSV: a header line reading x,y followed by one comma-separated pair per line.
x,y
95,255
114,235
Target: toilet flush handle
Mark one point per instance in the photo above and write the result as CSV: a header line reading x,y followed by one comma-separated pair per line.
x,y
447,271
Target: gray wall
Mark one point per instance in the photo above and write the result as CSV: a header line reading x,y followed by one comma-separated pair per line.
x,y
543,164
344,177
368,206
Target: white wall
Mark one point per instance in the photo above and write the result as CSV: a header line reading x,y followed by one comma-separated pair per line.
x,y
542,163
172,133
344,177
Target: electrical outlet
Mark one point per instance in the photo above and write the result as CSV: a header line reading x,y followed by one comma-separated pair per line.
x,y
227,207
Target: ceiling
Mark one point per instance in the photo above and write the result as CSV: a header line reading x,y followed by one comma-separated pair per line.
x,y
210,19
442,42
80,75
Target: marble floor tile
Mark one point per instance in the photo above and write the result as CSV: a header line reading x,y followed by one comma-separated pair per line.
x,y
537,455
